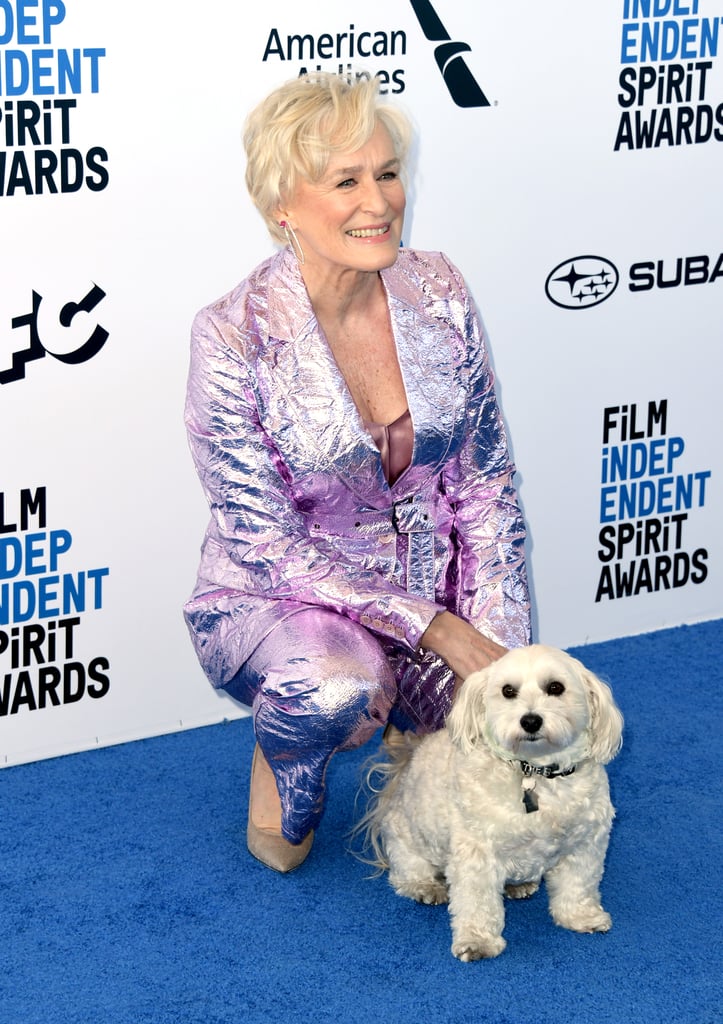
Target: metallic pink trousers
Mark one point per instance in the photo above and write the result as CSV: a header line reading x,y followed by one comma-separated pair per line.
x,y
319,683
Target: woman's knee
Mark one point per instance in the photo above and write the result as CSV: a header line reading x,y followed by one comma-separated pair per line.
x,y
326,672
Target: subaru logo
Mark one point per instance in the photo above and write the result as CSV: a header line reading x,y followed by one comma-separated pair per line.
x,y
581,282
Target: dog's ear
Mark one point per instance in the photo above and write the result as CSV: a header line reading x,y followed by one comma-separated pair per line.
x,y
606,720
466,720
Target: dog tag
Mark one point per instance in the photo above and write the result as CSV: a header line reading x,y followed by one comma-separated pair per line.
x,y
530,801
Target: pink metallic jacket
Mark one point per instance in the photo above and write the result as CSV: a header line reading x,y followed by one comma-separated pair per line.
x,y
301,512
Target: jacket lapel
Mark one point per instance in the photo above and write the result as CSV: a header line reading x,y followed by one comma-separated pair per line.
x,y
307,401
427,351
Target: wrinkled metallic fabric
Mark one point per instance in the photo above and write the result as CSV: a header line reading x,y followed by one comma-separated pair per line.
x,y
322,683
301,511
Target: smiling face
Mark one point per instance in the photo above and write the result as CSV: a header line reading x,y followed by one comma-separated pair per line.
x,y
351,218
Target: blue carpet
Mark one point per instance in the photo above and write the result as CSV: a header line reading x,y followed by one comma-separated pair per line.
x,y
128,897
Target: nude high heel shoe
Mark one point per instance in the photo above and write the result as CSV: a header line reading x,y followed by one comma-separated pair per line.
x,y
263,832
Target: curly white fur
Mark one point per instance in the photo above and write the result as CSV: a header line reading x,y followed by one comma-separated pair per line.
x,y
450,824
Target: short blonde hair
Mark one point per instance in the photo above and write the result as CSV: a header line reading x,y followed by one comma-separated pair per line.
x,y
293,132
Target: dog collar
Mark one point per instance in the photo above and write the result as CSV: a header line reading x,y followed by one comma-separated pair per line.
x,y
548,771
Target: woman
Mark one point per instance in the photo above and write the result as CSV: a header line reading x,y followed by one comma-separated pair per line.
x,y
365,551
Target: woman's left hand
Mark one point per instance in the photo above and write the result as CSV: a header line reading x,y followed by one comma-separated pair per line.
x,y
460,645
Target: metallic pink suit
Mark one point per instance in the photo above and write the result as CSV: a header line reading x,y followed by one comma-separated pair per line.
x,y
318,578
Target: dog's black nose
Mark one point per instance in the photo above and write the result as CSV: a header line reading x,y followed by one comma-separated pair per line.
x,y
531,723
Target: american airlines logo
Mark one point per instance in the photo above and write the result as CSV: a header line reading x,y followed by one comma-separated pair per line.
x,y
458,78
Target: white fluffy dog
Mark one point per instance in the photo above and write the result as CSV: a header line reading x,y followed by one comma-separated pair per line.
x,y
511,791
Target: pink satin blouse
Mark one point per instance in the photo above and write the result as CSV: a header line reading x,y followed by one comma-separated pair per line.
x,y
395,442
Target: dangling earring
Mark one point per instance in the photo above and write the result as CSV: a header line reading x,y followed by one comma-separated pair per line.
x,y
293,242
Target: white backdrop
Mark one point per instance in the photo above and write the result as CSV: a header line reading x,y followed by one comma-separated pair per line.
x,y
581,203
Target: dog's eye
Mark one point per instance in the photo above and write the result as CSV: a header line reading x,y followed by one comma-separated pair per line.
x,y
555,688
509,692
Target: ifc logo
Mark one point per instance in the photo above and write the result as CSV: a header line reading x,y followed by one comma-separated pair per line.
x,y
581,282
